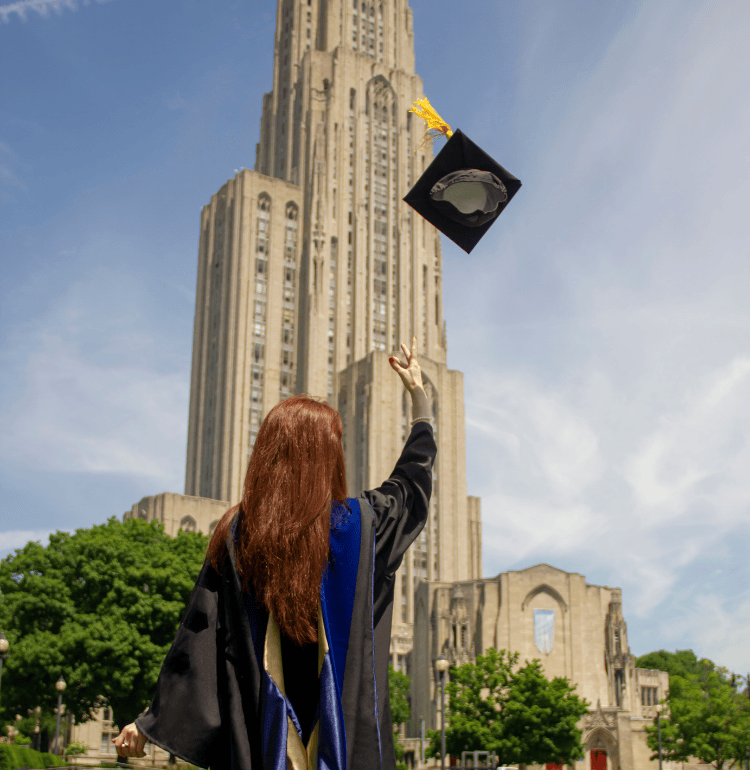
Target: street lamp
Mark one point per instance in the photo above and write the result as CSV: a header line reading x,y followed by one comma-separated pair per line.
x,y
659,709
37,737
442,665
60,687
4,644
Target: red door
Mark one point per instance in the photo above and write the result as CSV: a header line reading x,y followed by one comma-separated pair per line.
x,y
553,766
598,760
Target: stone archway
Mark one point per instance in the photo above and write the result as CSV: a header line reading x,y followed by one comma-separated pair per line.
x,y
601,745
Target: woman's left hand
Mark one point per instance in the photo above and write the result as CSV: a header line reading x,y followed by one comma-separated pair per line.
x,y
130,742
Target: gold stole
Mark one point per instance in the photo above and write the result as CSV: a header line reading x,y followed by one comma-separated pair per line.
x,y
297,756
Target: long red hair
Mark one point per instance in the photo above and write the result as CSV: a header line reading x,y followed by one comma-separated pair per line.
x,y
296,470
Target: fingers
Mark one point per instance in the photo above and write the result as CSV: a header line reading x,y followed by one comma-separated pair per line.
x,y
409,353
130,742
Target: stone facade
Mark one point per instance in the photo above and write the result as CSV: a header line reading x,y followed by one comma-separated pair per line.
x,y
577,630
179,512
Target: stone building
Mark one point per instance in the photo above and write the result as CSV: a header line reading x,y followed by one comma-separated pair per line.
x,y
312,271
577,630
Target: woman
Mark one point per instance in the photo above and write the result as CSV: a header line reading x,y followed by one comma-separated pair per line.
x,y
281,658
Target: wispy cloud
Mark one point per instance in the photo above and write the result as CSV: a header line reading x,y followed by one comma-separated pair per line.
x,y
608,368
10,541
719,624
42,7
90,392
567,478
698,450
9,163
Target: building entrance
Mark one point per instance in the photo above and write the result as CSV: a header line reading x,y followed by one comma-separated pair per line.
x,y
598,760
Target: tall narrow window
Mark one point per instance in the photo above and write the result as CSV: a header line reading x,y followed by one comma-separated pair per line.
x,y
287,366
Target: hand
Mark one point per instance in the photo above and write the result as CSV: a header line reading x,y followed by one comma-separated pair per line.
x,y
130,742
411,374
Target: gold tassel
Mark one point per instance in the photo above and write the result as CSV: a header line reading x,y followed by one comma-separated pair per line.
x,y
436,126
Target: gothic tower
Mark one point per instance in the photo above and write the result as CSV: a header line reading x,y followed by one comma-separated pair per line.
x,y
312,270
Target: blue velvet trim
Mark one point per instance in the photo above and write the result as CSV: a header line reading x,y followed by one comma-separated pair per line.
x,y
273,709
332,733
340,583
372,631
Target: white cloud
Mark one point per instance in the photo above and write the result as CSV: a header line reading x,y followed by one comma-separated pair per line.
x,y
604,339
10,541
42,7
553,487
719,625
702,442
93,395
539,430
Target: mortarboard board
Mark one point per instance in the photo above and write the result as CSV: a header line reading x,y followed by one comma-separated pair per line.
x,y
463,191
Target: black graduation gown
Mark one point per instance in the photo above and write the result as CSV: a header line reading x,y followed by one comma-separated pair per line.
x,y
220,699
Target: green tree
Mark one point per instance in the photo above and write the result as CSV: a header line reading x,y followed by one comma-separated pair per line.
x,y
705,716
47,722
681,663
399,686
101,607
520,715
76,748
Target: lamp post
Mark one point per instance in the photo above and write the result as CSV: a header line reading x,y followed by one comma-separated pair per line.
x,y
60,687
4,644
442,665
37,736
659,709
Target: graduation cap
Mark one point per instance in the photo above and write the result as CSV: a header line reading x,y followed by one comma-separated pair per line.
x,y
463,191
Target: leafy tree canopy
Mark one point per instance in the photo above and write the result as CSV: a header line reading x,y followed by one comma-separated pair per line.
x,y
399,685
680,663
101,608
520,715
706,715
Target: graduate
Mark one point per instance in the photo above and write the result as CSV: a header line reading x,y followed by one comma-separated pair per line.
x,y
281,658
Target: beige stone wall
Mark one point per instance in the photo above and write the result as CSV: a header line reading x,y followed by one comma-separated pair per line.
x,y
464,618
179,512
224,335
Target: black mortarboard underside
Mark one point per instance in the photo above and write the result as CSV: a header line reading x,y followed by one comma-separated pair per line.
x,y
462,192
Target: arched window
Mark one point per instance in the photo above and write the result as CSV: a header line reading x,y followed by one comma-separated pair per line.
x,y
352,98
264,224
188,524
290,233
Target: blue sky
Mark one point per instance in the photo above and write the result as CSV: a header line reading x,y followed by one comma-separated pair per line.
x,y
602,325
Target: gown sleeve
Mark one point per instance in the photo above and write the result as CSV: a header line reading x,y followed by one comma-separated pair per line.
x,y
401,503
185,716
